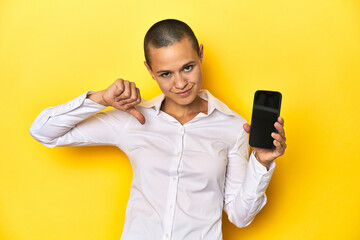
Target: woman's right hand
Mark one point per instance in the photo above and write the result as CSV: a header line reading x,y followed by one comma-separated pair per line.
x,y
122,95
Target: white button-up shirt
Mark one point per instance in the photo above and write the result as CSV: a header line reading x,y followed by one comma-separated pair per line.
x,y
183,175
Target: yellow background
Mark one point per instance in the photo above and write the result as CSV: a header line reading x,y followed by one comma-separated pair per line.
x,y
53,51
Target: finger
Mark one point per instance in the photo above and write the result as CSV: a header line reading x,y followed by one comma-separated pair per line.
x,y
278,137
246,127
280,129
138,115
119,87
280,149
133,97
281,120
126,93
136,102
132,104
119,106
138,94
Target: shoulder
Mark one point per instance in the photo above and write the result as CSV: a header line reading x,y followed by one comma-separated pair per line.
x,y
238,118
228,114
235,122
227,120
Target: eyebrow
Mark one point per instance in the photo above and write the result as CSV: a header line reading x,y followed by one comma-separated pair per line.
x,y
191,62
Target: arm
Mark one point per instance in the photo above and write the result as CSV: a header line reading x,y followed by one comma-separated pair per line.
x,y
245,184
72,124
77,123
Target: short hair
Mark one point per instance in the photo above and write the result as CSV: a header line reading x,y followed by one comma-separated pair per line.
x,y
167,32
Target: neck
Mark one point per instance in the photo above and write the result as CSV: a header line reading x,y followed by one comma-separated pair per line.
x,y
184,111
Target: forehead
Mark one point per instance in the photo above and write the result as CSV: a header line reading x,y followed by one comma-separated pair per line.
x,y
173,56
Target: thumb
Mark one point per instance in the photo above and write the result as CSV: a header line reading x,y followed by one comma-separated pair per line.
x,y
246,127
138,115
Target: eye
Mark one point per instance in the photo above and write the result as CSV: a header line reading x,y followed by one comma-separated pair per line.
x,y
188,68
166,74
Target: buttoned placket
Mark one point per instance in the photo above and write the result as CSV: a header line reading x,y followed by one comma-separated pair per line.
x,y
173,185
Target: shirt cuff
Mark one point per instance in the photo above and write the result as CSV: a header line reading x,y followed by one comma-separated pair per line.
x,y
257,176
77,102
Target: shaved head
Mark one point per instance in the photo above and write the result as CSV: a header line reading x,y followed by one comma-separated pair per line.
x,y
167,32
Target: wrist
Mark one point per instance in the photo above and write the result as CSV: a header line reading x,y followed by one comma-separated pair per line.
x,y
98,98
264,163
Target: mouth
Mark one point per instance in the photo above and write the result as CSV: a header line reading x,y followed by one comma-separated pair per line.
x,y
185,93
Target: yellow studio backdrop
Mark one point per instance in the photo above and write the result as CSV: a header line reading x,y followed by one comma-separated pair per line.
x,y
53,51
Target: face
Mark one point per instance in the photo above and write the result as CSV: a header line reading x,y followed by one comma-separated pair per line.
x,y
177,70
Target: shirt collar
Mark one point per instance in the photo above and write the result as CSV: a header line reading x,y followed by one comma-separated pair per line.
x,y
213,103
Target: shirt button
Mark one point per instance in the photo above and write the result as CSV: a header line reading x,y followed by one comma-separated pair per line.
x,y
167,235
178,154
174,178
171,206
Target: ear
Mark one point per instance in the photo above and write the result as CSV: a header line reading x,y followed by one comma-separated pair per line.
x,y
149,70
201,52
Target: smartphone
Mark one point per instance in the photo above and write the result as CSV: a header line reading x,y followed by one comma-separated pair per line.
x,y
266,111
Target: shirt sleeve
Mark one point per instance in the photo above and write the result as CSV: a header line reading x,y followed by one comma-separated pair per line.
x,y
78,122
245,183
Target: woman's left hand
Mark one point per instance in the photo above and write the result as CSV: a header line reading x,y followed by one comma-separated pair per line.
x,y
267,156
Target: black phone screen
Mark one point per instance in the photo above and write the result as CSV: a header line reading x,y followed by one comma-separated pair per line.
x,y
266,110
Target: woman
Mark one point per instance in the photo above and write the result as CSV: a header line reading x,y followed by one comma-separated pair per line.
x,y
189,152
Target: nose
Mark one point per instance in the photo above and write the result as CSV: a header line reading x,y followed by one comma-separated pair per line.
x,y
180,82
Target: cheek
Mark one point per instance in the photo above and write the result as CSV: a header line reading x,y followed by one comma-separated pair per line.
x,y
197,76
164,85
